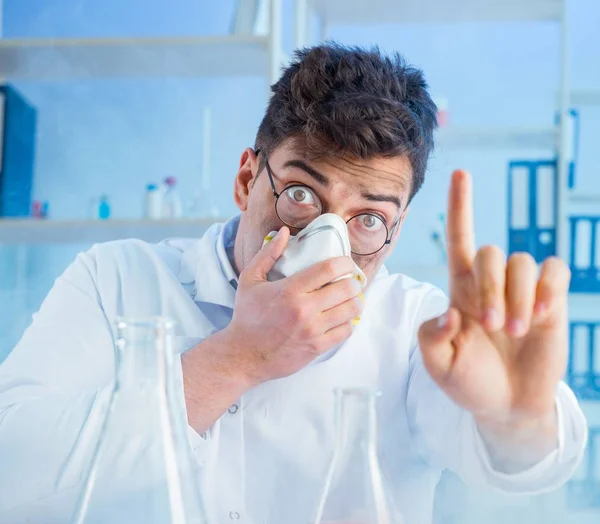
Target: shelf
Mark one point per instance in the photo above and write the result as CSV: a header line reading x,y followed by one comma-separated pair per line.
x,y
584,198
27,231
411,11
497,138
585,98
52,59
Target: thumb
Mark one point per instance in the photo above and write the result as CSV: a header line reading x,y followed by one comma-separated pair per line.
x,y
264,260
435,340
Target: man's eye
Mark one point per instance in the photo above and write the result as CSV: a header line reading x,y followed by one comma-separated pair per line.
x,y
371,222
300,195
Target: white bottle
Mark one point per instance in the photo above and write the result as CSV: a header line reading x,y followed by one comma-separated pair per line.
x,y
172,206
153,202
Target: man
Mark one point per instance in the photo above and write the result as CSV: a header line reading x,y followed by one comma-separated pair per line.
x,y
472,385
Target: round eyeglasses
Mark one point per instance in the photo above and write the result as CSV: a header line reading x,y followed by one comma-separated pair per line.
x,y
298,205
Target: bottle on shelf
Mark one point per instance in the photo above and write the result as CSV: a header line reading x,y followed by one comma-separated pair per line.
x,y
99,208
39,209
172,206
104,208
153,202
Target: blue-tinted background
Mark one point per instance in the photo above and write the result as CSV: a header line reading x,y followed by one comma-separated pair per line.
x,y
114,136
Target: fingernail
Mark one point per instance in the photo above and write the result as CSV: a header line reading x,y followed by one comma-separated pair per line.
x,y
268,238
491,318
442,322
516,327
362,297
356,321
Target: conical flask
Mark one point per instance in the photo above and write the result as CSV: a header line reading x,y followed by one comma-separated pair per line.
x,y
142,470
355,490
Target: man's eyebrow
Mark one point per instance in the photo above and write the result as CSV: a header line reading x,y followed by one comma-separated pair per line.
x,y
319,177
324,181
382,198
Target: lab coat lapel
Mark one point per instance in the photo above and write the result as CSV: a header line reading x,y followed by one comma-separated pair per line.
x,y
201,266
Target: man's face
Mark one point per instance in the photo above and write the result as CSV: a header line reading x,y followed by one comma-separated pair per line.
x,y
345,186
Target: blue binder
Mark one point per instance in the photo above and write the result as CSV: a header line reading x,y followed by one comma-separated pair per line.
x,y
17,151
532,207
585,254
583,368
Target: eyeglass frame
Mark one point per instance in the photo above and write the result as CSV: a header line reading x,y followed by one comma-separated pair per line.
x,y
388,236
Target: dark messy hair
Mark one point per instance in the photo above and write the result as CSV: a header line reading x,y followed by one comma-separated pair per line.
x,y
336,100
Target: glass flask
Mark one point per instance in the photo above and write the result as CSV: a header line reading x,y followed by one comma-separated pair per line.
x,y
355,490
142,470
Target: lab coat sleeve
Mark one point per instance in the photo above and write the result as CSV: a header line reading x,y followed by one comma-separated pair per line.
x,y
54,389
447,437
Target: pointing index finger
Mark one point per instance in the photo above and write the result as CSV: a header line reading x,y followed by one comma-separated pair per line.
x,y
460,228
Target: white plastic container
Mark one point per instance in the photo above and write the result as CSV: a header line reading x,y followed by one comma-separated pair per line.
x,y
153,202
172,206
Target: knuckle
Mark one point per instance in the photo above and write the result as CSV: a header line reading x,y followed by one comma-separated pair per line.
x,y
288,292
330,267
243,279
309,333
521,258
556,276
490,294
298,314
491,251
558,265
317,347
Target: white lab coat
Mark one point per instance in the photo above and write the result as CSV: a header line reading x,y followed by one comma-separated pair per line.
x,y
264,459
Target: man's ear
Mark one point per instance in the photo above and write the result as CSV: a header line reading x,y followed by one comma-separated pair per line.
x,y
244,180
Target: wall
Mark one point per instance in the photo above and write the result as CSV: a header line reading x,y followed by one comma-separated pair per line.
x,y
116,135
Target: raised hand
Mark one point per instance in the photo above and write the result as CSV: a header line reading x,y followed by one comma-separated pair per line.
x,y
501,348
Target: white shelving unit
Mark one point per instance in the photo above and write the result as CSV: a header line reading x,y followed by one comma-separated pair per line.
x,y
43,59
426,11
497,138
31,231
587,97
201,56
70,58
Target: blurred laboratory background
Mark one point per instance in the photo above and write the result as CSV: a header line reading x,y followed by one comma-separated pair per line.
x,y
127,119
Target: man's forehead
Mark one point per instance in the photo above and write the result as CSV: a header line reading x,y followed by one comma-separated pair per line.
x,y
374,175
391,173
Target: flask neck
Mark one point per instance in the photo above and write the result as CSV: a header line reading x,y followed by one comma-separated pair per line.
x,y
143,354
356,420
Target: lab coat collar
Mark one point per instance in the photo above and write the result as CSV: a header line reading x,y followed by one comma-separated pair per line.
x,y
207,266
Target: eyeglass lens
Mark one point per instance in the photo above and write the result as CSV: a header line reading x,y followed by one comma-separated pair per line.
x,y
297,206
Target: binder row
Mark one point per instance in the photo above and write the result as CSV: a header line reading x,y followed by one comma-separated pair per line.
x,y
532,217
